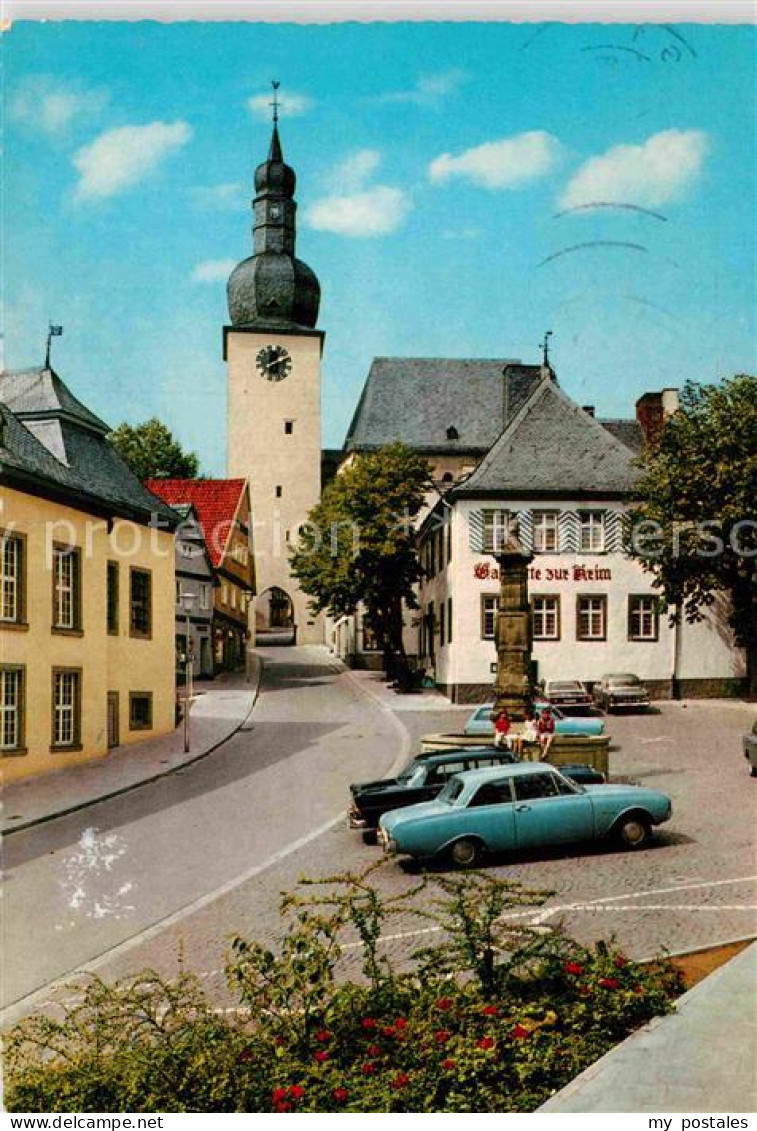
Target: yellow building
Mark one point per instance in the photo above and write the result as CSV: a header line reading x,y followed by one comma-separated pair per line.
x,y
87,586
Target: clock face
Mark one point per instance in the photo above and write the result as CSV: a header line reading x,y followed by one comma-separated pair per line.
x,y
274,363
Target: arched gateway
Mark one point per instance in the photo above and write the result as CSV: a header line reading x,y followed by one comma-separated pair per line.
x,y
274,617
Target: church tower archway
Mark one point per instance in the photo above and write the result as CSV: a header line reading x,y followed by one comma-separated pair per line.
x,y
274,617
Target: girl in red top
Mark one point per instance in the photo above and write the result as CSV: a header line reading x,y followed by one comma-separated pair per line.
x,y
502,726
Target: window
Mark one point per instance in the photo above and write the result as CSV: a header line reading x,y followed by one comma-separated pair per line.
x,y
449,539
591,618
545,538
449,620
643,618
224,593
66,707
440,547
488,616
591,537
442,624
112,599
492,793
432,556
205,596
288,427
443,771
233,595
528,787
497,526
546,618
11,708
140,710
12,573
66,589
278,490
141,603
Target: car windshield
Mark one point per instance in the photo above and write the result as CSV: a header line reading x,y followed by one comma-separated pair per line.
x,y
451,791
623,680
405,774
572,685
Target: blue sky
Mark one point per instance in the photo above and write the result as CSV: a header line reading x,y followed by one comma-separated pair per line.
x,y
444,177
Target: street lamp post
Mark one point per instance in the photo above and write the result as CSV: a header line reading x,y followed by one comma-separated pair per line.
x,y
187,601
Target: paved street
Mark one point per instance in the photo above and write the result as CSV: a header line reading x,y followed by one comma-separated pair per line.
x,y
191,860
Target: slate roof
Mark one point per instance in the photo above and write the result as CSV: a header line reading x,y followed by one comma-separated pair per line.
x,y
552,447
215,501
53,444
416,399
629,432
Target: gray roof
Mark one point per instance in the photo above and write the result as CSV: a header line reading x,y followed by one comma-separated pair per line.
x,y
629,432
417,399
553,447
53,442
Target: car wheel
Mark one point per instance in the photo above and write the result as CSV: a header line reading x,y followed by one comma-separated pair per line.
x,y
370,836
633,831
465,853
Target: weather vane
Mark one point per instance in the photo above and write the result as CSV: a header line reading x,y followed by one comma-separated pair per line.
x,y
53,332
544,346
275,102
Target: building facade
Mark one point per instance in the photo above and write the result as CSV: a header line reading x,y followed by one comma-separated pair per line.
x,y
273,353
195,583
563,482
223,511
87,586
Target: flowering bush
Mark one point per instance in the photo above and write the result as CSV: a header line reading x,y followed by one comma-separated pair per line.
x,y
523,1015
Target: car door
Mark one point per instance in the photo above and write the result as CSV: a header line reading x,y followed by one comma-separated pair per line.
x,y
489,815
438,776
548,810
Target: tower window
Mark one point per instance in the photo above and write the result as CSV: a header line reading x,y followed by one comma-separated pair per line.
x,y
288,427
278,490
452,433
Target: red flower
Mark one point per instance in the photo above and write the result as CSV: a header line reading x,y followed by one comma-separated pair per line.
x,y
400,1023
321,1056
485,1043
279,1094
620,961
442,1036
609,983
368,1023
448,1063
368,1069
585,990
280,1042
401,1080
245,1054
283,1106
519,1032
444,1003
639,990
374,1050
573,968
341,1095
323,1035
388,1030
490,1011
296,1091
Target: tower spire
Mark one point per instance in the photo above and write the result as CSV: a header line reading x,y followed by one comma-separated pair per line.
x,y
274,153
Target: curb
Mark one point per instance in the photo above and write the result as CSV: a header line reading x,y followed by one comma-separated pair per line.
x,y
256,672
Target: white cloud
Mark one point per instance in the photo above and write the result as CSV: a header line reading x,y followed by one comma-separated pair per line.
x,y
291,105
375,211
352,172
430,89
50,105
507,163
218,198
213,270
121,157
652,173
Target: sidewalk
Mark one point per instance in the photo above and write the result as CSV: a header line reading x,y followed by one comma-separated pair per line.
x,y
702,1058
218,711
427,700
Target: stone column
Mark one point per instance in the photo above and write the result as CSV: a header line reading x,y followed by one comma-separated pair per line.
x,y
513,688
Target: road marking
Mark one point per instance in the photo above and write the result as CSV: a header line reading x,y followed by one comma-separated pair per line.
x,y
39,997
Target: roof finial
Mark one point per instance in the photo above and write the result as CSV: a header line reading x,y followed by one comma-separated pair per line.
x,y
544,347
53,332
275,84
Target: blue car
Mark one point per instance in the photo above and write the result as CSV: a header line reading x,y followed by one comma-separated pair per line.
x,y
522,806
480,722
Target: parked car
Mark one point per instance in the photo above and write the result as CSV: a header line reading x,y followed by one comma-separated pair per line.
x,y
613,692
480,721
566,693
425,776
519,807
750,749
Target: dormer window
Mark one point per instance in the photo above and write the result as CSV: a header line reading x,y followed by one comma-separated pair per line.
x,y
452,433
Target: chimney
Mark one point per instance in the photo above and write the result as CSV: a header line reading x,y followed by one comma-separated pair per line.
x,y
650,415
588,409
670,402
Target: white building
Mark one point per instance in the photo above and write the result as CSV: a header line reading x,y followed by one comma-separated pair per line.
x,y
564,479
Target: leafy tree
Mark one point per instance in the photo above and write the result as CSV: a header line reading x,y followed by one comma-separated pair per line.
x,y
358,546
696,528
152,452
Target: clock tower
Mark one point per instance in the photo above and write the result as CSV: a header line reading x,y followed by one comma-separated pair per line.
x,y
273,352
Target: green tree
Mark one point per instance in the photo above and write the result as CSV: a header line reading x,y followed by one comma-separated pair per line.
x,y
152,452
358,546
695,529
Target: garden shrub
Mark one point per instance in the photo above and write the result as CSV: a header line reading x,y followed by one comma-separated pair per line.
x,y
494,1016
